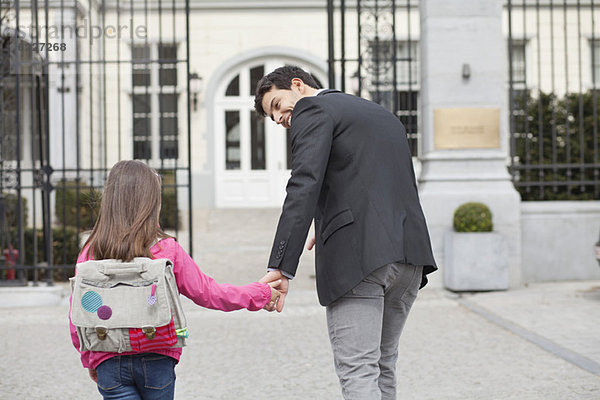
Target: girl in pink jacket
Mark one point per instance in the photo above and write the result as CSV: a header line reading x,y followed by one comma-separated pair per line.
x,y
126,227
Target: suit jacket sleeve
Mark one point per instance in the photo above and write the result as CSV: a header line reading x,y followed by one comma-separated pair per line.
x,y
311,137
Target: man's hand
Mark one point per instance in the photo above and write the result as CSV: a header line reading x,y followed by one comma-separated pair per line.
x,y
282,288
93,374
311,243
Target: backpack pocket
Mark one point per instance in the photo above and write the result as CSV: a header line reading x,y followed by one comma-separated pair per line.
x,y
118,304
116,340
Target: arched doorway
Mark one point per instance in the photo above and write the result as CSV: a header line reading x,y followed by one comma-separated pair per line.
x,y
252,163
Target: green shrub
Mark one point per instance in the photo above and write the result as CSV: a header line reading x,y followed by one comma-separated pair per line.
x,y
76,204
65,249
10,208
473,217
554,141
65,245
169,216
82,212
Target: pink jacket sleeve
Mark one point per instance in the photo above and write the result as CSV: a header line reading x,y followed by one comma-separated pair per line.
x,y
206,292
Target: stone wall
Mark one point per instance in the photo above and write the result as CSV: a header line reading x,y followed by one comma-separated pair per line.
x,y
558,239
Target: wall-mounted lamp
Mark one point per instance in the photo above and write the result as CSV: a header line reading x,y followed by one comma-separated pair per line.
x,y
195,82
466,71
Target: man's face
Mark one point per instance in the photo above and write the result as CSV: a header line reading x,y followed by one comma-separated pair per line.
x,y
279,103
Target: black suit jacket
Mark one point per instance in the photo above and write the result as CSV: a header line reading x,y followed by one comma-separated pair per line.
x,y
352,172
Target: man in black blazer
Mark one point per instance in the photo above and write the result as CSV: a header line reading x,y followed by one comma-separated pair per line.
x,y
352,173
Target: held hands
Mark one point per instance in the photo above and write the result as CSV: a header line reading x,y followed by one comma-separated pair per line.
x,y
279,288
280,285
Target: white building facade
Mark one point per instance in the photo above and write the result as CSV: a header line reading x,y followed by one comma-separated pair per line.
x,y
121,89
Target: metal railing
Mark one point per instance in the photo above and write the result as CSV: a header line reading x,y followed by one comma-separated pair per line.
x,y
70,86
382,63
554,66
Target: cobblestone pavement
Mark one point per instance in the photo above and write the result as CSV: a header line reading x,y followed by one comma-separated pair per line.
x,y
497,345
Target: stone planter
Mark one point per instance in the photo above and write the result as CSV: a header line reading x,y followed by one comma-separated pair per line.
x,y
475,261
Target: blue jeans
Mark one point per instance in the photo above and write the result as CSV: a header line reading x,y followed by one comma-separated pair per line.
x,y
145,376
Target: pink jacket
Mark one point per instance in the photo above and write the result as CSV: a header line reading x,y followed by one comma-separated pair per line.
x,y
194,284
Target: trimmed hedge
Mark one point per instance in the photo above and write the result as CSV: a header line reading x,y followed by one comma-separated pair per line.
x,y
556,137
473,217
76,204
10,208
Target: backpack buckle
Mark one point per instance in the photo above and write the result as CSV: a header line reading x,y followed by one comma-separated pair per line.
x,y
101,332
150,332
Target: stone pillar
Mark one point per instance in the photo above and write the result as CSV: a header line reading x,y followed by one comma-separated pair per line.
x,y
465,121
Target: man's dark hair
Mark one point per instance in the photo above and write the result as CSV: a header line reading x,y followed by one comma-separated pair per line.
x,y
281,78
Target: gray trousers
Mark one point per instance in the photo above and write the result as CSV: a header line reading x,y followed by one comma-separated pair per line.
x,y
364,329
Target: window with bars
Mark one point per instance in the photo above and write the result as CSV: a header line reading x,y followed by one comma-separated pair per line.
x,y
155,101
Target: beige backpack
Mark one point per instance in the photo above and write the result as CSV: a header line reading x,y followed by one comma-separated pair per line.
x,y
127,306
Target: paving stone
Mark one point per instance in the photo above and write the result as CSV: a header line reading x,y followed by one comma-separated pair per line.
x,y
447,350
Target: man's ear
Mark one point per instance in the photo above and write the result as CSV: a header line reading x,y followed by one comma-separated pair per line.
x,y
298,84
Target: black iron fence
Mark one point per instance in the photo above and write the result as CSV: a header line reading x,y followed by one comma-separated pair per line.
x,y
554,69
83,85
554,66
373,53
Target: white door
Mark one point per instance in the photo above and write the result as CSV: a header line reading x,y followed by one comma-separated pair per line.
x,y
251,153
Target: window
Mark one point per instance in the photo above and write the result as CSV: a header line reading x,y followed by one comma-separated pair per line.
x,y
595,48
520,93
408,63
232,140
23,131
242,89
382,63
409,115
258,143
233,89
517,50
155,101
258,158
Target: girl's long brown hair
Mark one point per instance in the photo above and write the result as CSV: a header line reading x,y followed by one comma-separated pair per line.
x,y
127,224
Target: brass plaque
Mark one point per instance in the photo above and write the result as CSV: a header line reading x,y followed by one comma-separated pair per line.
x,y
466,128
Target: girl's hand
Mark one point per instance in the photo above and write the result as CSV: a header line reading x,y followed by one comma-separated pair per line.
x,y
275,294
93,374
282,285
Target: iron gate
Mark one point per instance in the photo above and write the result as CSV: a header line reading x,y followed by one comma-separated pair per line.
x,y
82,86
376,55
554,69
